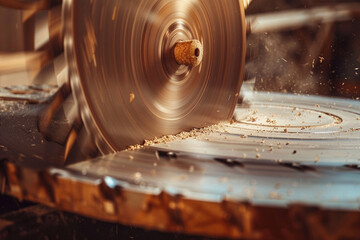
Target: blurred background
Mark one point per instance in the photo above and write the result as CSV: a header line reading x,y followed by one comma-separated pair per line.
x,y
319,59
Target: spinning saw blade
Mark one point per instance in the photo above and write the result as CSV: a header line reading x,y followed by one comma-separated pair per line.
x,y
127,74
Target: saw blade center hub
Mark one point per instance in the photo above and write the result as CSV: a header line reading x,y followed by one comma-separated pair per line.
x,y
188,53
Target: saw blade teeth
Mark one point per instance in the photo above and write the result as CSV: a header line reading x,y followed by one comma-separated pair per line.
x,y
70,142
62,122
42,60
56,102
79,146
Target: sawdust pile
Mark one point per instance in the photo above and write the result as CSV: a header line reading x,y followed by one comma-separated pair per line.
x,y
194,133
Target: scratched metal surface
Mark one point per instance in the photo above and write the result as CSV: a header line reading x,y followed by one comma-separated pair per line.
x,y
293,158
280,149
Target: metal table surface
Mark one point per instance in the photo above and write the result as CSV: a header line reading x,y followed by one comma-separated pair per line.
x,y
285,165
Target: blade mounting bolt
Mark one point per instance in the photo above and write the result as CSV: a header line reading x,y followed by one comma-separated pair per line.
x,y
189,53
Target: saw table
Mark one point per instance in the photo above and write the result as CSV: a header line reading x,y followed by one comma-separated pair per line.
x,y
225,181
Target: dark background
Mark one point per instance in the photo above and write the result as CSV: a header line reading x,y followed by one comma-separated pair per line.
x,y
322,59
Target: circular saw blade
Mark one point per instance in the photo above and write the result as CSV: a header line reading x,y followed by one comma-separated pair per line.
x,y
125,79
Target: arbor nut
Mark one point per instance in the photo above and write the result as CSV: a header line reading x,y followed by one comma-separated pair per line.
x,y
189,53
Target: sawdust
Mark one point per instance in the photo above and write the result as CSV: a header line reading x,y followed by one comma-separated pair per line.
x,y
275,195
271,121
131,97
194,133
